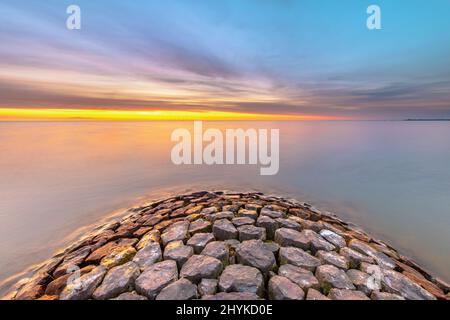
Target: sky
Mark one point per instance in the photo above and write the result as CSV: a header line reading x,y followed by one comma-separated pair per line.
x,y
308,59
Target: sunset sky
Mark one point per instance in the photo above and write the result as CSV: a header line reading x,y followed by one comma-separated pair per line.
x,y
280,58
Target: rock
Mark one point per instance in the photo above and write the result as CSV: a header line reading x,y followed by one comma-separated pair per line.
x,y
317,243
221,215
362,281
288,223
199,226
272,214
377,295
301,277
250,232
253,206
381,259
248,213
97,255
72,260
148,255
427,285
199,241
118,256
344,294
281,288
224,229
397,283
178,252
182,289
209,210
298,257
332,237
196,209
333,258
129,296
255,254
315,295
301,213
218,250
240,278
152,236
331,277
242,221
354,258
55,287
84,287
156,277
232,207
118,280
234,296
272,247
199,267
291,238
269,224
177,231
207,287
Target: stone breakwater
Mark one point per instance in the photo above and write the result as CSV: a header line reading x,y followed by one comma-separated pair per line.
x,y
229,246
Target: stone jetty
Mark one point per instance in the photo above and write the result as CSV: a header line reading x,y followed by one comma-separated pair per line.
x,y
229,246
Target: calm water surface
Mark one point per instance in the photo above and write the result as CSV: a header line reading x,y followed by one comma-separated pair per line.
x,y
392,178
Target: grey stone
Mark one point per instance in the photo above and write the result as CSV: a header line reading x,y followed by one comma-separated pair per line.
x,y
291,238
298,257
199,241
397,283
301,277
248,213
272,214
331,257
149,255
355,258
362,281
181,289
242,221
272,247
223,229
288,223
240,278
331,277
281,288
218,250
118,280
207,287
199,226
269,224
344,294
332,237
221,215
128,296
314,294
381,259
156,277
255,254
209,210
377,295
177,231
199,267
250,232
178,252
85,286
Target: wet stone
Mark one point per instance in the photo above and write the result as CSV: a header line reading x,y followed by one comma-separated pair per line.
x,y
242,221
199,267
240,278
178,252
207,287
85,286
118,280
218,250
156,277
269,224
199,241
55,287
381,259
199,226
397,283
250,232
331,277
301,277
362,281
333,258
181,289
177,231
344,294
298,257
333,238
281,288
223,229
355,258
148,255
255,254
